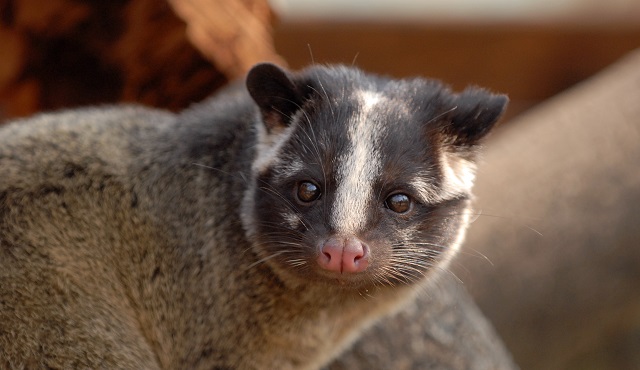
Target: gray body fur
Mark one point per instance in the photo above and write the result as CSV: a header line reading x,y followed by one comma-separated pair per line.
x,y
96,229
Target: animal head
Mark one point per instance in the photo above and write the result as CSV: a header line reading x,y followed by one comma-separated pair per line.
x,y
361,180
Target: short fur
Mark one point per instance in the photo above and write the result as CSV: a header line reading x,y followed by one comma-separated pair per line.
x,y
135,238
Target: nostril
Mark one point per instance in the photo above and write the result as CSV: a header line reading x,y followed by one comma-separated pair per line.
x,y
355,256
330,257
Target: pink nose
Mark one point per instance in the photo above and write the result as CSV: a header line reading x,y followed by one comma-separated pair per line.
x,y
344,255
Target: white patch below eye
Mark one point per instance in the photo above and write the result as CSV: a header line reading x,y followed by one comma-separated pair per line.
x,y
458,179
359,167
291,219
454,247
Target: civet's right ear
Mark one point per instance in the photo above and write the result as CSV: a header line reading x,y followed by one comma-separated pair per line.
x,y
275,93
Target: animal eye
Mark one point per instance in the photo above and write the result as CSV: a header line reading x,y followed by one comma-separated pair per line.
x,y
399,203
308,192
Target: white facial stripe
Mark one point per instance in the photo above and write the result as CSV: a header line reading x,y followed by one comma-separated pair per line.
x,y
358,168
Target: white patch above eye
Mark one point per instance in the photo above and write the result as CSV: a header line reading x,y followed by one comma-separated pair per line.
x,y
459,175
359,166
458,178
269,145
426,192
288,168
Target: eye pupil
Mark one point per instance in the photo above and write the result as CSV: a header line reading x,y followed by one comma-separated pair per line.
x,y
399,203
308,192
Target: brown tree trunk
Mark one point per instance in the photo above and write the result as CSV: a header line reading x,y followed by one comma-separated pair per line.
x,y
66,53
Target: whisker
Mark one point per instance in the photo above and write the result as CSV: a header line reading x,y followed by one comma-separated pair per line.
x,y
353,62
265,259
313,62
481,213
266,188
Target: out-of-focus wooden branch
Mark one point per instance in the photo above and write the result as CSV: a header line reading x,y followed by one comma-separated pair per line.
x,y
65,53
233,34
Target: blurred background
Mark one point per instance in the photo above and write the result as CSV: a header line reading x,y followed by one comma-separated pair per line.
x,y
62,53
65,53
530,49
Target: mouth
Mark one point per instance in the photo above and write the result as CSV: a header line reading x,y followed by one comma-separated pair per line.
x,y
343,279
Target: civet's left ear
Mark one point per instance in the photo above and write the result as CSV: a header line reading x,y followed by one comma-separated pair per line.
x,y
471,116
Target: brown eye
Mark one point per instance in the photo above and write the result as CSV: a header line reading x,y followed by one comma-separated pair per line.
x,y
308,192
399,203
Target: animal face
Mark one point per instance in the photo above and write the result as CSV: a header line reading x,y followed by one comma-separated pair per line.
x,y
361,180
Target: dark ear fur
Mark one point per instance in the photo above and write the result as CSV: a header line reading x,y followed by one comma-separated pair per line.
x,y
473,114
275,93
